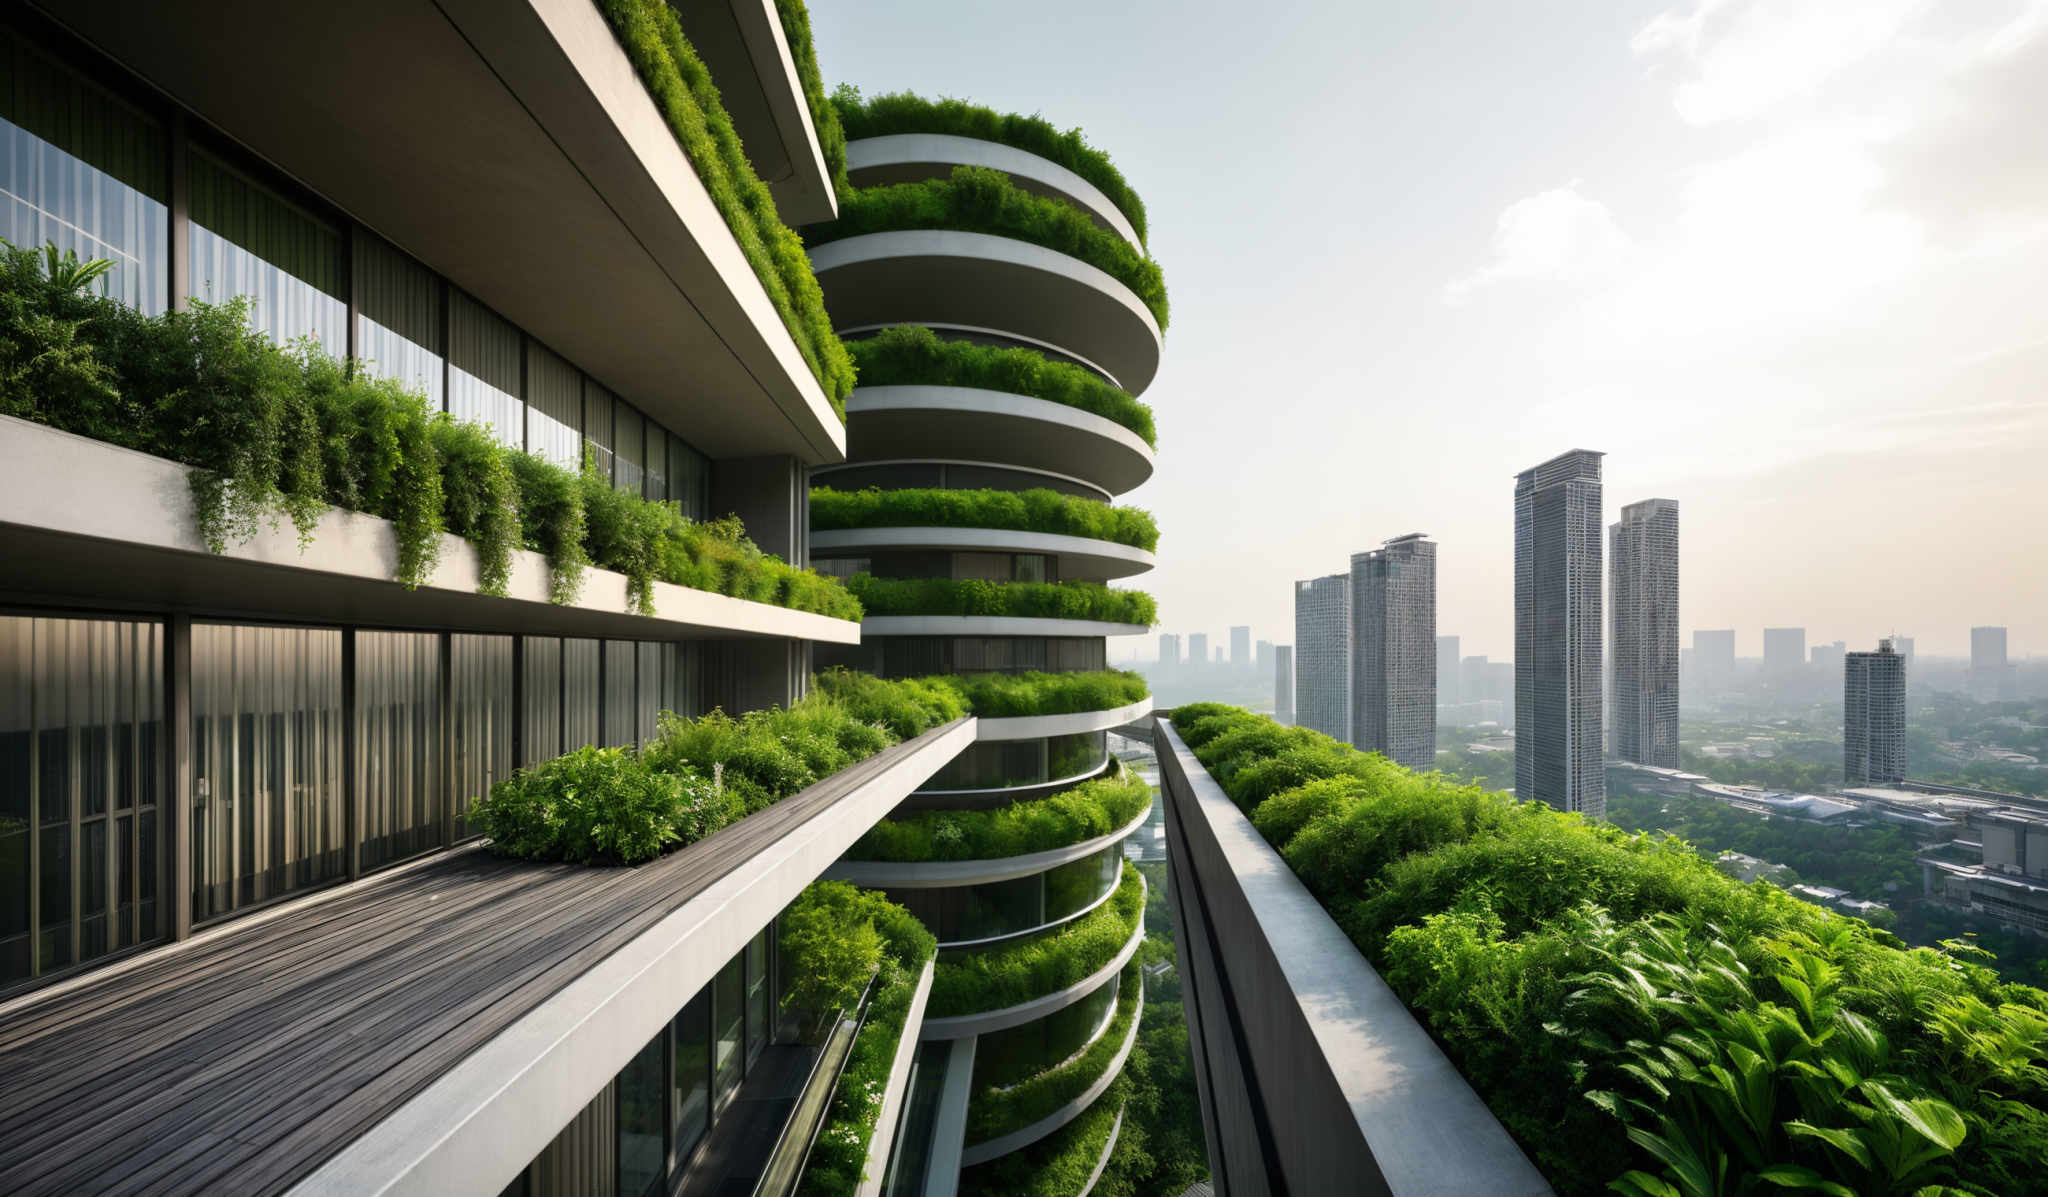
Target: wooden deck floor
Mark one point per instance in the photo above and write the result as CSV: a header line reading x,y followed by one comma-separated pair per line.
x,y
239,1064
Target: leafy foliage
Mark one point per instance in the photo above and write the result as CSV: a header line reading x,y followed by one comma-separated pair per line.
x,y
913,355
972,596
1059,1164
904,708
977,199
1580,975
1091,809
681,87
995,1111
1034,510
902,112
796,30
1010,695
1015,971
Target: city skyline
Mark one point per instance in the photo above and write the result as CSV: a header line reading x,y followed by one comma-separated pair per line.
x,y
1559,676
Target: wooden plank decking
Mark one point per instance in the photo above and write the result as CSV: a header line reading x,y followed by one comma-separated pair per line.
x,y
239,1063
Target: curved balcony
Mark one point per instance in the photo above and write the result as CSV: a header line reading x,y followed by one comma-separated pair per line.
x,y
986,281
1080,558
987,1021
1025,1136
911,157
993,625
895,422
1031,727
931,874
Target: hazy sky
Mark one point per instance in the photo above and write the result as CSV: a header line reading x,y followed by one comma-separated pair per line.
x,y
1785,262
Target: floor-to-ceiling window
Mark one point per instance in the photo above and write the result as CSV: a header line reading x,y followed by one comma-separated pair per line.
x,y
629,431
398,744
484,372
81,772
554,408
480,719
598,406
398,318
248,241
643,1126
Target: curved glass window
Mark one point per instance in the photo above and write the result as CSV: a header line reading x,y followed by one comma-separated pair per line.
x,y
919,656
995,909
1020,1053
1001,764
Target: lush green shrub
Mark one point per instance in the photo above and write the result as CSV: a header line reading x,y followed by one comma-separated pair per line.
x,y
682,89
838,1157
1734,1031
902,112
1010,973
995,1111
1010,695
796,30
829,952
977,199
1035,510
913,355
906,708
1091,809
1032,600
1057,1165
285,433
596,806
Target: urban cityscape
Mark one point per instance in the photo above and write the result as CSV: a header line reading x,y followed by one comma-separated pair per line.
x,y
593,604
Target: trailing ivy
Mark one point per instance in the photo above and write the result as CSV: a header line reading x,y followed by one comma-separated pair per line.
x,y
1091,809
913,355
552,523
1034,510
1023,600
1016,971
995,1111
681,87
796,30
902,112
977,199
481,497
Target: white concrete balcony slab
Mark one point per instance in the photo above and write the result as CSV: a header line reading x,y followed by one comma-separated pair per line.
x,y
910,157
1081,559
941,874
893,423
993,625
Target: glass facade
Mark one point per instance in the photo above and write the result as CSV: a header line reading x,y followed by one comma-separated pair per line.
x,y
485,366
398,744
480,718
554,408
81,772
249,241
998,764
399,319
629,448
950,475
919,656
960,914
1019,1053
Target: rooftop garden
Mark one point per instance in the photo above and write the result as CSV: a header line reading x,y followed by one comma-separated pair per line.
x,y
681,88
913,355
796,30
1085,812
1035,510
978,980
1639,1021
902,112
284,433
1020,600
976,199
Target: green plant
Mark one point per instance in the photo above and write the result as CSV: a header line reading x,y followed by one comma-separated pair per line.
x,y
902,112
1035,510
829,952
1010,695
595,805
481,497
796,30
1057,1165
1013,972
980,200
906,708
1034,600
552,523
996,1111
1091,809
913,355
681,87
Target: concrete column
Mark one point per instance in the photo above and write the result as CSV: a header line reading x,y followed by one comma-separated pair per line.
x,y
772,497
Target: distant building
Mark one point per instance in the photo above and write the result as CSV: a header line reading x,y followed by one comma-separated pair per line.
x,y
1643,577
1394,651
1283,683
1828,657
2011,883
1169,649
1784,651
1873,717
1322,655
1557,634
1991,674
1241,647
1903,645
1447,680
1198,648
1713,657
1262,655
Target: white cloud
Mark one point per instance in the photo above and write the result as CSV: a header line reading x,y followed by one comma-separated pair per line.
x,y
1556,235
1739,59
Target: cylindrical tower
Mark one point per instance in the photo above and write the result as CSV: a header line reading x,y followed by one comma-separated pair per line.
x,y
1004,315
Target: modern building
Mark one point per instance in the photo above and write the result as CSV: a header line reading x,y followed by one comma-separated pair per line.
x,y
1169,650
1873,717
1558,742
1198,649
2010,882
1643,652
1826,658
1903,645
1448,671
1241,647
1394,651
1283,684
1713,657
1322,655
1262,656
1784,652
1991,674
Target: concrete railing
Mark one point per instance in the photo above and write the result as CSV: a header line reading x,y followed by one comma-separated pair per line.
x,y
1314,1077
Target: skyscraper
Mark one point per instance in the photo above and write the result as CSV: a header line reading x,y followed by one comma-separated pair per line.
x,y
1169,650
1283,683
1322,654
1990,674
1241,647
1903,645
1393,651
1713,658
1644,594
1784,651
1873,717
1448,688
1557,634
1198,648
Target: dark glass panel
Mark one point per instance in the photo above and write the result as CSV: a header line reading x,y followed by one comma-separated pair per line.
x,y
542,727
484,355
147,854
757,995
55,891
689,478
621,691
728,1013
554,408
1009,1056
650,692
630,448
481,735
92,889
17,760
249,241
691,1080
398,318
124,882
398,738
1078,884
643,1126
598,405
581,693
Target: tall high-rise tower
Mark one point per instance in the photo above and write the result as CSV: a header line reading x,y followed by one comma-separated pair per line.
x,y
1283,684
1241,647
1393,651
1557,634
1873,716
1643,592
1169,650
1322,654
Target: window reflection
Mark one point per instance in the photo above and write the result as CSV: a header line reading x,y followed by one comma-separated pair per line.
x,y
554,407
484,353
398,318
248,241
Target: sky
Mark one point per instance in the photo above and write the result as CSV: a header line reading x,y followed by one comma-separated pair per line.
x,y
1784,261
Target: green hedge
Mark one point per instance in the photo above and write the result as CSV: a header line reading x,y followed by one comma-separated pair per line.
x,y
839,1154
682,89
1034,510
285,433
1009,974
620,806
1589,981
976,199
1059,1164
1012,695
913,355
1091,809
1022,600
796,30
996,1111
902,112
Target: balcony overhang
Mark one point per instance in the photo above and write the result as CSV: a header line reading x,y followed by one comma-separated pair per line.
x,y
890,423
911,157
1080,559
510,145
743,44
